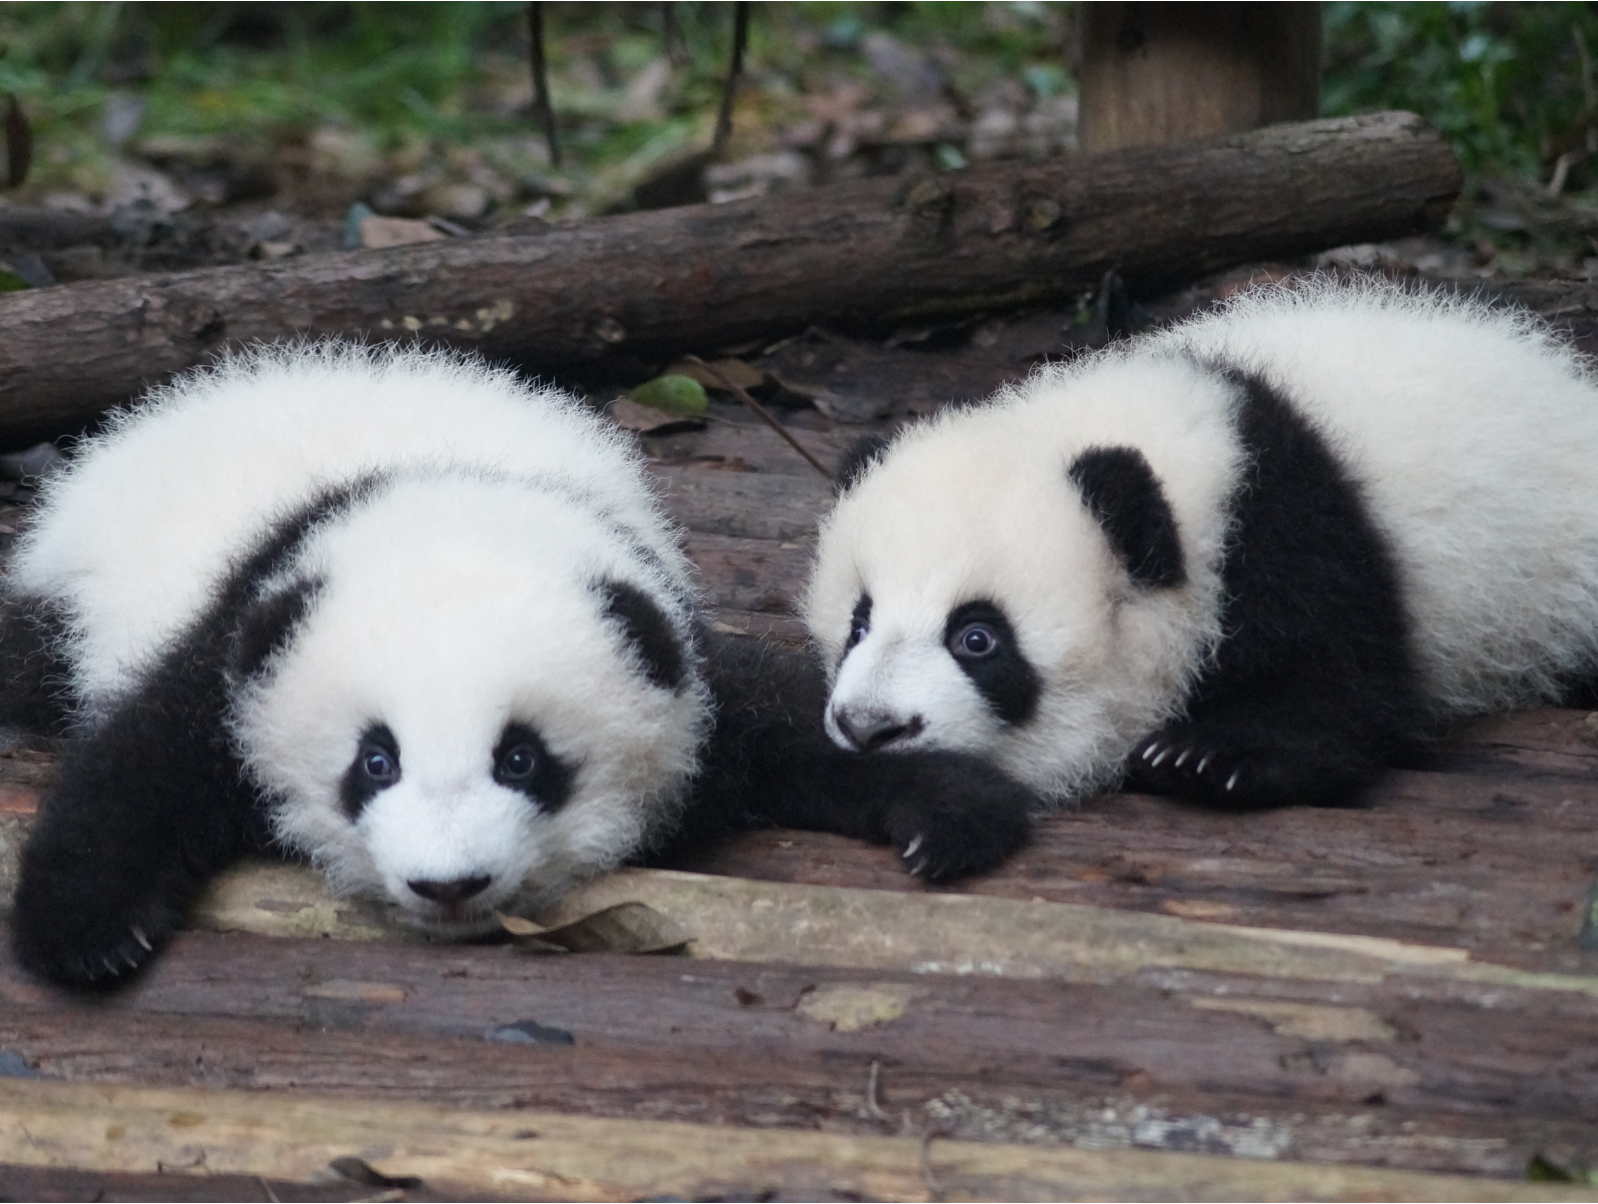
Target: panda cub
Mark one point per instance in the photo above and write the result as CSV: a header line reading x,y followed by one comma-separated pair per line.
x,y
1246,560
400,614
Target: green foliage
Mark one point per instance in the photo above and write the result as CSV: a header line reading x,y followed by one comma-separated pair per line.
x,y
1510,84
672,393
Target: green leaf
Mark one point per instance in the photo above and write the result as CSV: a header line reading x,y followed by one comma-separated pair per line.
x,y
673,394
10,282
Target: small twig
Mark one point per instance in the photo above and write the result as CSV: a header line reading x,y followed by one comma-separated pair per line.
x,y
267,1188
740,40
1562,168
934,1189
541,102
19,144
765,415
873,1108
671,35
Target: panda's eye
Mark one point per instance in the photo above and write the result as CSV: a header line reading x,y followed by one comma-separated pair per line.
x,y
517,764
974,640
859,622
379,765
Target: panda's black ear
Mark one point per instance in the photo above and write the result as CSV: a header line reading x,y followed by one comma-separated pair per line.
x,y
648,630
265,626
1124,496
861,455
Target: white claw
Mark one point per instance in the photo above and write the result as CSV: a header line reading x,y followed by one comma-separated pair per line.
x,y
1203,761
915,870
1232,781
910,849
1150,751
109,968
1160,760
138,935
1182,760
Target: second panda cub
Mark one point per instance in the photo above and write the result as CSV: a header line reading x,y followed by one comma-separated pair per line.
x,y
1245,560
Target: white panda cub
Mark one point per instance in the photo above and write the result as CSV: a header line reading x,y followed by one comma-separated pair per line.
x,y
407,617
1245,560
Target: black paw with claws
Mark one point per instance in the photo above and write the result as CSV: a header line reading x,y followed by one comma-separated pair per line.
x,y
966,818
1245,769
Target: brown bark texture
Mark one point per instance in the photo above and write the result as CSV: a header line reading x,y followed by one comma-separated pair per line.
x,y
870,253
1160,72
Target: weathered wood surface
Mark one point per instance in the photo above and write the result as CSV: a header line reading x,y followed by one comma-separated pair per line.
x,y
1401,985
869,252
545,1155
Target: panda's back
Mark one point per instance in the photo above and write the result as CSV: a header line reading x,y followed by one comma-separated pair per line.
x,y
134,554
1473,436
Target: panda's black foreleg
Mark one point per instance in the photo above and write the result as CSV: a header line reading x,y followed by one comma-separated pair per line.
x,y
769,762
1314,688
144,810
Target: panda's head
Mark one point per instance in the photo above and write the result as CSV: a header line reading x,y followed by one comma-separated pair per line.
x,y
465,692
1018,580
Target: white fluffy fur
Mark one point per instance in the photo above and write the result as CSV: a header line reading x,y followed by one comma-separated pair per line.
x,y
454,599
1472,433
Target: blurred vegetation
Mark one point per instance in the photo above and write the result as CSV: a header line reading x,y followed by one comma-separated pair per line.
x,y
399,81
357,91
1510,84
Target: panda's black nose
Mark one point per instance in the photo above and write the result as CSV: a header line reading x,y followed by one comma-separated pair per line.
x,y
871,730
448,893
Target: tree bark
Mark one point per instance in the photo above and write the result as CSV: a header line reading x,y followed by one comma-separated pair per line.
x,y
1161,72
871,253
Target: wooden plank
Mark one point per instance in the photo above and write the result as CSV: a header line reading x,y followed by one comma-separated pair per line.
x,y
44,1183
1405,1041
741,920
543,1155
834,1089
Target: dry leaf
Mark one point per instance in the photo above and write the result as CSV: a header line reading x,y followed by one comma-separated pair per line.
x,y
358,1171
622,928
379,232
631,416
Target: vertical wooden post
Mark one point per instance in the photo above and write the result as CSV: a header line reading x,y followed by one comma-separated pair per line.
x,y
1160,72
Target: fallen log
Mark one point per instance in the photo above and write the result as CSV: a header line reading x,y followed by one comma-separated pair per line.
x,y
869,252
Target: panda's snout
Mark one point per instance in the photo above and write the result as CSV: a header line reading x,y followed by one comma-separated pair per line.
x,y
451,893
869,730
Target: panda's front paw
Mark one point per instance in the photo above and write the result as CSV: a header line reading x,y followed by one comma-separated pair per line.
x,y
1249,765
85,929
1179,760
969,818
68,951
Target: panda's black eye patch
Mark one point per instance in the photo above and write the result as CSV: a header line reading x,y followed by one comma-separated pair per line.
x,y
523,762
859,622
375,768
982,642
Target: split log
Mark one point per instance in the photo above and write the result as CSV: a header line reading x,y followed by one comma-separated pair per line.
x,y
1392,1073
542,1155
869,253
